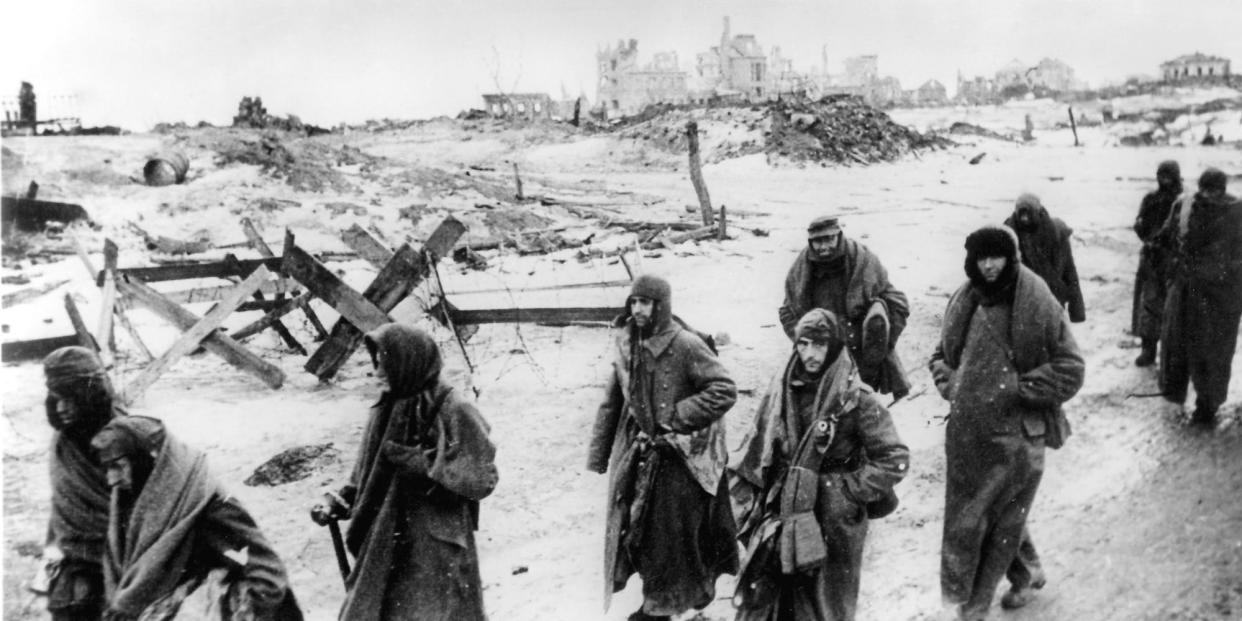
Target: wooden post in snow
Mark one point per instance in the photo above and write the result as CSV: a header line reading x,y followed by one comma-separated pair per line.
x,y
518,180
1073,125
722,230
696,174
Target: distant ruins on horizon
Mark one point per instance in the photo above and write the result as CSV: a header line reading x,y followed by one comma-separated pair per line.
x,y
738,69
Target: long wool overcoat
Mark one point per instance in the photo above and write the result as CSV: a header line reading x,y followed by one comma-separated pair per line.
x,y
1005,369
424,464
685,390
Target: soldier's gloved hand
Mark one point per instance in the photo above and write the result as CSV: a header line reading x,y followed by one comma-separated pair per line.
x,y
408,459
332,509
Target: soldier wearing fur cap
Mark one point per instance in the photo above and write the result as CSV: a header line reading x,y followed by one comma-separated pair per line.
x,y
659,432
1006,361
843,276
79,403
822,458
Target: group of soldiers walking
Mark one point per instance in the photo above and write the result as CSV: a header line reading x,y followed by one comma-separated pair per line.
x,y
1188,292
140,529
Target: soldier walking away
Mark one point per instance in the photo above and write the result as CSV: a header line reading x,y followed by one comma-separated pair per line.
x,y
1149,283
79,403
1006,361
179,545
1046,249
840,275
659,431
1204,300
822,458
413,499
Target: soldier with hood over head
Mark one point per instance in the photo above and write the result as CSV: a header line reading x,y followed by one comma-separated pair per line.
x,y
1149,284
1204,301
1046,249
838,274
659,431
79,403
179,545
1006,361
822,458
413,499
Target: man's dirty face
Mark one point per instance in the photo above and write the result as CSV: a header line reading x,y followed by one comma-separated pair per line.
x,y
991,267
1025,217
642,309
1166,180
825,246
67,412
813,353
120,473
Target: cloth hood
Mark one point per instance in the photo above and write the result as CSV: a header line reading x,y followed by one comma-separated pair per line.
x,y
1171,170
410,357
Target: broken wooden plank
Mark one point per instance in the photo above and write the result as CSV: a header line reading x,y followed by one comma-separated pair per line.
x,y
565,315
217,342
442,240
35,349
30,293
189,340
213,269
393,283
366,245
26,214
262,303
580,285
214,293
353,307
79,327
678,238
267,320
80,250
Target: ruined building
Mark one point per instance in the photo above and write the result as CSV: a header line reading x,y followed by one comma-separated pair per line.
x,y
1195,67
519,106
931,93
736,68
1054,75
625,87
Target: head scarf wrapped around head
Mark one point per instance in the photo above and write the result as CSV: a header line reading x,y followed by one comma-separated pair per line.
x,y
76,374
410,357
821,325
136,438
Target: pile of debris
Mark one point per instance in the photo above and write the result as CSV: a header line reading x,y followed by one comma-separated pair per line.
x,y
307,166
841,129
836,129
252,114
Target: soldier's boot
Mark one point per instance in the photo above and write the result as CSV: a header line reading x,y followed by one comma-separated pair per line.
x,y
1019,597
1148,355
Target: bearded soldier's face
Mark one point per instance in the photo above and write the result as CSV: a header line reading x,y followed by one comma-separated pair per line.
x,y
813,353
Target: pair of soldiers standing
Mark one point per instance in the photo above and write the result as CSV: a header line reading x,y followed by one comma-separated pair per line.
x,y
1188,292
823,455
141,530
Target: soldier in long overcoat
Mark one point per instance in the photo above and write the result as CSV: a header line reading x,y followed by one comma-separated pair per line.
x,y
1046,249
1204,301
1006,361
1149,283
659,432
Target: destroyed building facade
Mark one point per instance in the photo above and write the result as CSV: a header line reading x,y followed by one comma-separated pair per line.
x,y
625,87
1195,67
519,106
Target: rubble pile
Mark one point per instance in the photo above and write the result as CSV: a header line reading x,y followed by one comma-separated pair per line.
x,y
836,129
841,129
252,114
307,166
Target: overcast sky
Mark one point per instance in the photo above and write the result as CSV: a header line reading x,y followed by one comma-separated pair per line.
x,y
137,62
